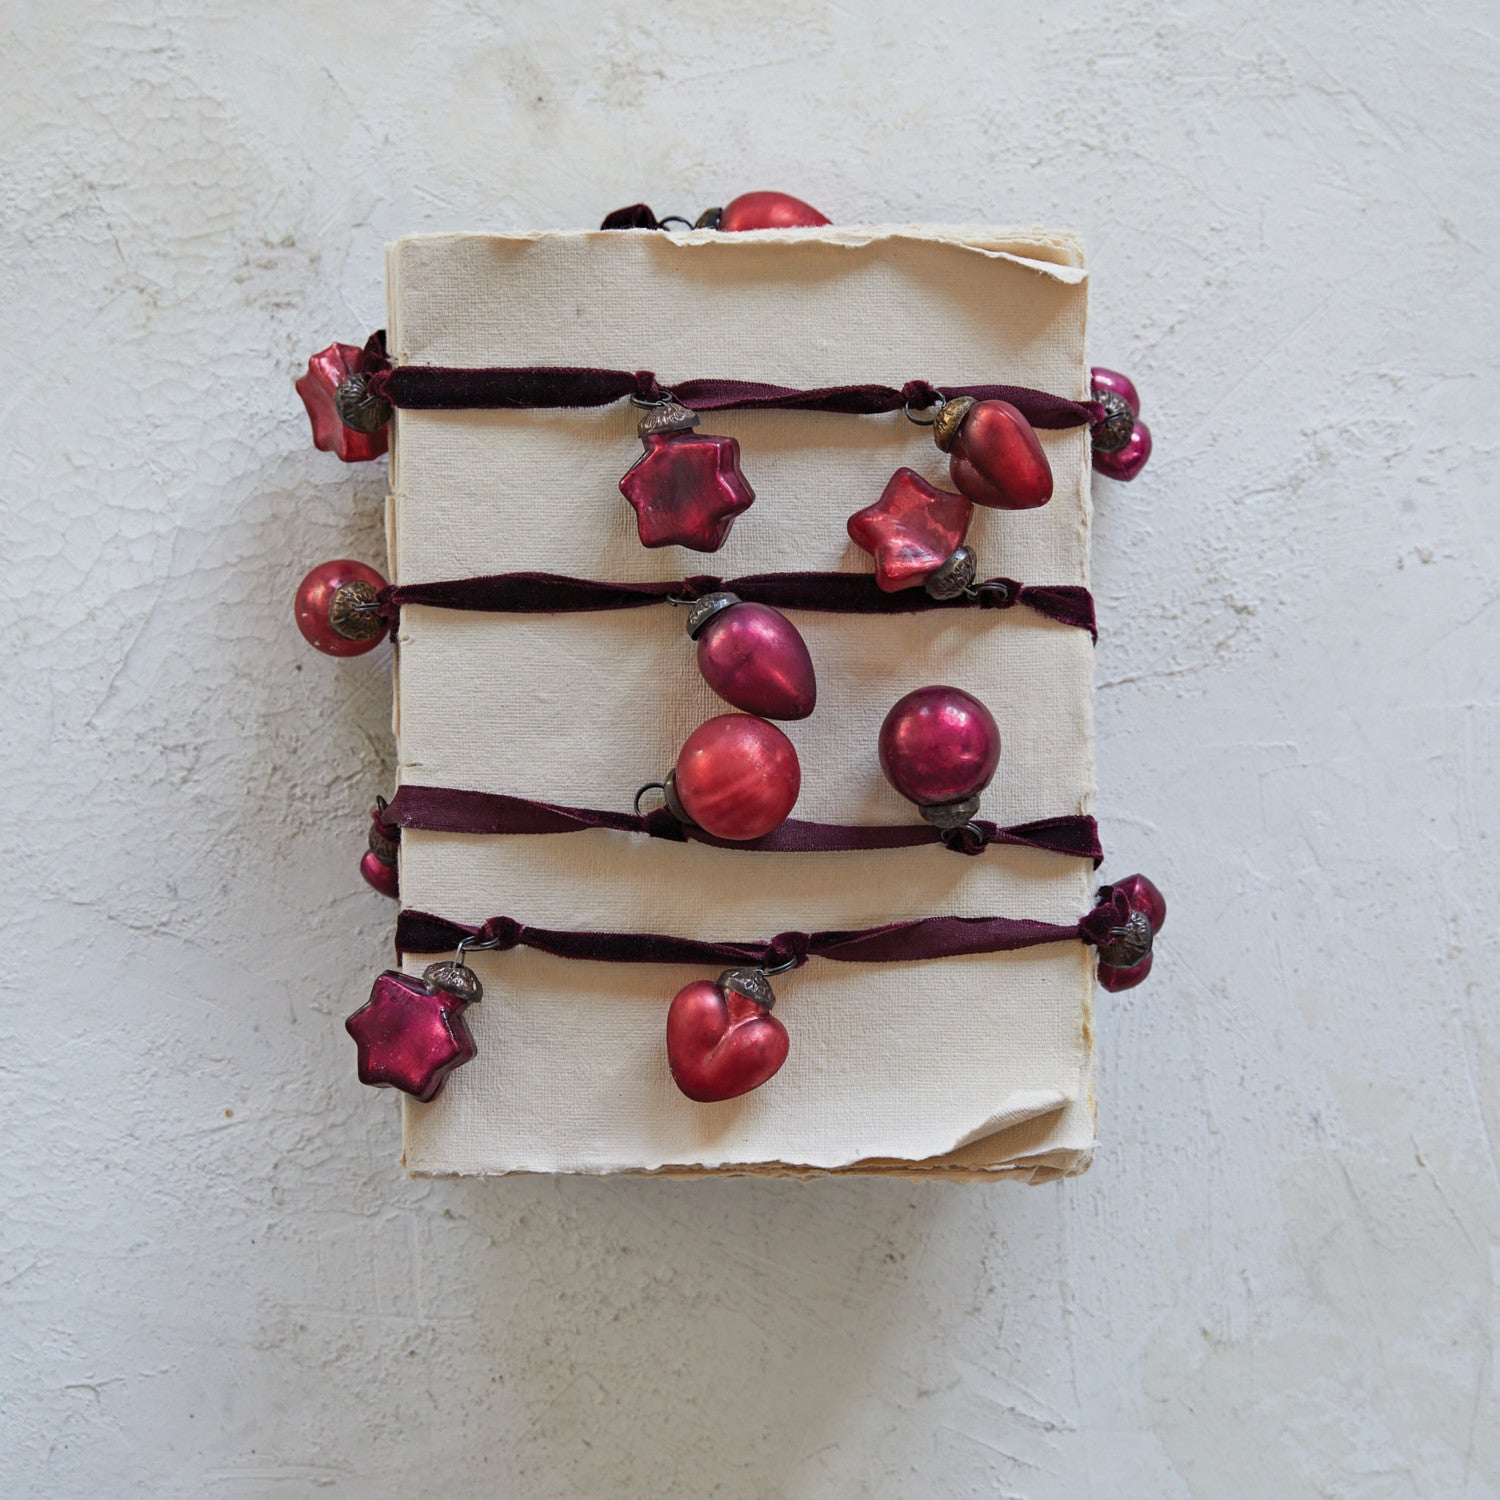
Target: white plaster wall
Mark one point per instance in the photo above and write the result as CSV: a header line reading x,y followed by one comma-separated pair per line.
x,y
1280,1278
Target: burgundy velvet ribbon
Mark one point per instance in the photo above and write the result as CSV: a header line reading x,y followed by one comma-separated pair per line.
x,y
892,942
544,387
838,593
438,809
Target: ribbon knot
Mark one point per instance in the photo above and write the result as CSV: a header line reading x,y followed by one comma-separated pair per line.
x,y
694,588
920,393
660,824
787,948
1112,912
648,389
500,934
970,839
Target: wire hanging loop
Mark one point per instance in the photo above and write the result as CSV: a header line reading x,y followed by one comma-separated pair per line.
x,y
666,399
938,402
770,970
650,786
475,944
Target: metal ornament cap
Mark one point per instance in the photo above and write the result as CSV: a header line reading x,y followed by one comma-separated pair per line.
x,y
752,983
669,416
705,609
950,815
357,408
1129,944
455,979
1111,434
721,1042
956,576
949,419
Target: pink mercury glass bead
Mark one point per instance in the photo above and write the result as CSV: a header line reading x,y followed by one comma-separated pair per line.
x,y
1144,897
911,531
753,657
686,488
1116,979
940,747
346,419
1122,442
722,1042
380,875
767,211
332,608
1127,462
737,777
1115,384
411,1033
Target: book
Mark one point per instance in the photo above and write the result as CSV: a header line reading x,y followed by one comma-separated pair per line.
x,y
967,1067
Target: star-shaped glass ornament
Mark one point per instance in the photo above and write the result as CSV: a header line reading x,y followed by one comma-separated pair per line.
x,y
911,531
686,488
411,1032
346,418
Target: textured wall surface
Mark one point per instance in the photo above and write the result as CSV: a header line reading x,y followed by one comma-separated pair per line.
x,y
1279,1279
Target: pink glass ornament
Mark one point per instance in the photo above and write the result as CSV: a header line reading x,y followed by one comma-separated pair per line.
x,y
767,211
1112,383
1126,960
1144,897
753,657
1122,442
940,747
686,488
411,1032
379,874
994,455
1128,461
722,1040
737,777
911,531
332,608
335,395
1116,979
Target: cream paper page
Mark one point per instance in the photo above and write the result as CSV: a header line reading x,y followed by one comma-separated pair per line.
x,y
964,1065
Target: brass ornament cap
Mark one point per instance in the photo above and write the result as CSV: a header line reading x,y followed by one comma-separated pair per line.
x,y
947,816
669,417
358,410
949,419
751,983
352,613
956,576
1118,425
709,607
455,979
1128,945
